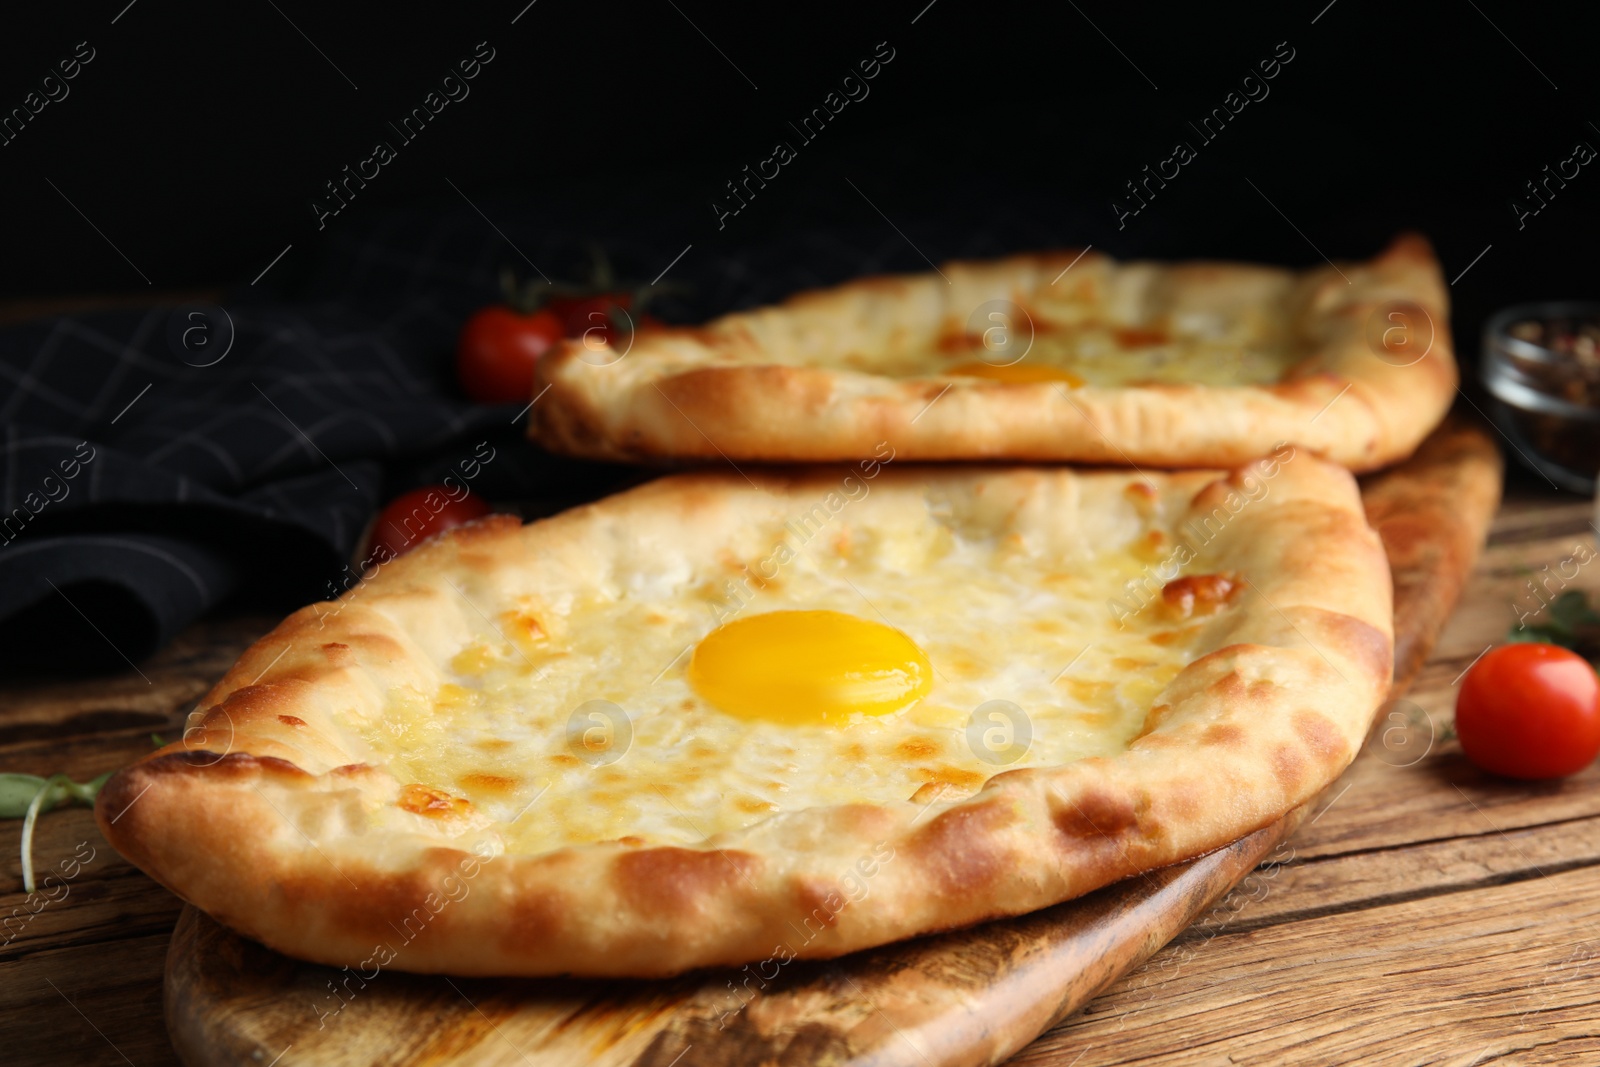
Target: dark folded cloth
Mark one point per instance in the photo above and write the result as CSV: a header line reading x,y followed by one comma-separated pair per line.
x,y
157,461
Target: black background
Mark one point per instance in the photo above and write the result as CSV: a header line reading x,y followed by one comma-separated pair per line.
x,y
198,137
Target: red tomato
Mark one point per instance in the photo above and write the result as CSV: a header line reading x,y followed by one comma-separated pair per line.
x,y
413,517
591,319
562,306
1530,711
497,350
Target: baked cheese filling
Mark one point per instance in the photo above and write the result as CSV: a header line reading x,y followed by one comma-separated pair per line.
x,y
1111,356
858,667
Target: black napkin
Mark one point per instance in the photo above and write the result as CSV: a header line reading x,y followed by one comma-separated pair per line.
x,y
157,461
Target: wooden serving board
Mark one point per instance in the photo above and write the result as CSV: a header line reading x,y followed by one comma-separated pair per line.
x,y
973,996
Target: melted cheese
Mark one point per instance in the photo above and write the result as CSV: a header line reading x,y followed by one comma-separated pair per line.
x,y
587,728
1106,356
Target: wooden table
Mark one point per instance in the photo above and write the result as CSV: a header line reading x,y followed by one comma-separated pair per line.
x,y
1423,914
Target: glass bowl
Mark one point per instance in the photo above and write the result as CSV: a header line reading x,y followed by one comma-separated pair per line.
x,y
1541,366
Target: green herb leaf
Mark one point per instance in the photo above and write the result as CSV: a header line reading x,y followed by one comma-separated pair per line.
x,y
17,792
1539,635
1569,621
1571,610
27,796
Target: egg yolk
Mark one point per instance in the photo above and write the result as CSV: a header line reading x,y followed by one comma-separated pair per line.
x,y
1017,372
808,668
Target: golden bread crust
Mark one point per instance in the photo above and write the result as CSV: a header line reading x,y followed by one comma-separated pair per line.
x,y
768,384
271,816
1433,515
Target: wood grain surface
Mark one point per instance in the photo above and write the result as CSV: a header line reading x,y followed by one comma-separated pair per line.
x,y
1419,908
970,997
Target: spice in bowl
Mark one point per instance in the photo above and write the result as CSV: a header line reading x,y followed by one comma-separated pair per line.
x,y
1541,363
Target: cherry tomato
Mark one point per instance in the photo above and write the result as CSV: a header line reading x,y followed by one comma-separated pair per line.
x,y
1530,711
497,350
562,306
592,321
413,517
